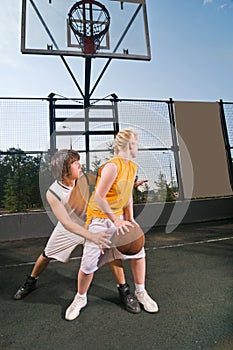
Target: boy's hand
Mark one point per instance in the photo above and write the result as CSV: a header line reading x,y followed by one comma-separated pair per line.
x,y
102,240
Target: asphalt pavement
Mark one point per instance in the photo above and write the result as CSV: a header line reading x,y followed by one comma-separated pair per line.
x,y
189,274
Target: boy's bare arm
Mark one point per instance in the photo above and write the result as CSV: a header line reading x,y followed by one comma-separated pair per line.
x,y
101,238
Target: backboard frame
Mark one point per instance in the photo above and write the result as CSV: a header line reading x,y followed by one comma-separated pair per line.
x,y
53,49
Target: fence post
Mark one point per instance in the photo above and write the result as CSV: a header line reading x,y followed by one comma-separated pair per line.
x,y
115,113
175,148
226,141
52,123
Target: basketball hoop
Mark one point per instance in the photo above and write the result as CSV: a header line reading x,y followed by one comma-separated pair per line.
x,y
89,20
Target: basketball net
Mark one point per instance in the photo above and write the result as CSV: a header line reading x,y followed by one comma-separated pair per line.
x,y
89,20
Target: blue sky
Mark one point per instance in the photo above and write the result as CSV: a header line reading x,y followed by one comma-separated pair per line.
x,y
192,57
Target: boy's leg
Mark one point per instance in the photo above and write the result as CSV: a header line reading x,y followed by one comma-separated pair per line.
x,y
117,269
138,267
40,266
128,299
31,281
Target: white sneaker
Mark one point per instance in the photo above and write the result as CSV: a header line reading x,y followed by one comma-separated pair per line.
x,y
74,309
149,304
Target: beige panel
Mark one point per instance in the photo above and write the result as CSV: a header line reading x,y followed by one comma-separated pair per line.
x,y
199,126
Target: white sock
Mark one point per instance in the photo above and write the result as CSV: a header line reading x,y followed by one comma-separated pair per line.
x,y
82,295
35,278
139,287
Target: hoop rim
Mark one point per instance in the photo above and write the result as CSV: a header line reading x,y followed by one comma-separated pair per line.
x,y
91,2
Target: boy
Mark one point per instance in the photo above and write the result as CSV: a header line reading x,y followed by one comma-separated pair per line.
x,y
69,231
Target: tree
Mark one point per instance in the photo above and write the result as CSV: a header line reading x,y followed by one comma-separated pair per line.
x,y
31,182
96,164
14,198
111,148
165,193
45,177
4,170
21,188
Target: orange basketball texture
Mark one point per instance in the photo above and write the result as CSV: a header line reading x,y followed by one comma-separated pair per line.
x,y
80,194
131,242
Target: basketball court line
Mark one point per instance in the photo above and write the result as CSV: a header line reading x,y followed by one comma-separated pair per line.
x,y
149,248
192,243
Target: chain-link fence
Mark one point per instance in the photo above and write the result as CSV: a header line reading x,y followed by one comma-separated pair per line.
x,y
31,129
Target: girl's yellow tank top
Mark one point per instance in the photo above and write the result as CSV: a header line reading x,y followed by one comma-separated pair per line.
x,y
120,192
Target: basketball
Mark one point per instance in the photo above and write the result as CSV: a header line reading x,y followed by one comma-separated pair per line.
x,y
131,242
80,194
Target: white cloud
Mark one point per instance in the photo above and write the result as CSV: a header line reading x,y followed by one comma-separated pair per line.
x,y
222,6
227,4
205,2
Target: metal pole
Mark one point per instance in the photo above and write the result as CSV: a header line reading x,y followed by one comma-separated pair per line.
x,y
226,141
175,148
86,103
52,124
115,115
170,168
87,109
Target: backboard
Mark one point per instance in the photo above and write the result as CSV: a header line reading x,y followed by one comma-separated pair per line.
x,y
47,28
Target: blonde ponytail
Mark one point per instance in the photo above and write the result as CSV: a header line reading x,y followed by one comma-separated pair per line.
x,y
123,140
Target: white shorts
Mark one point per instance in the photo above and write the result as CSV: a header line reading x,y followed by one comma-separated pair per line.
x,y
92,258
61,244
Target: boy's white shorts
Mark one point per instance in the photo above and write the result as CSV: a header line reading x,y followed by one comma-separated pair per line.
x,y
92,258
61,244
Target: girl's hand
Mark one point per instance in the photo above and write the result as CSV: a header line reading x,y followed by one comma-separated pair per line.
x,y
133,222
122,225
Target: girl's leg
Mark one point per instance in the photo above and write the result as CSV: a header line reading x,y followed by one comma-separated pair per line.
x,y
84,281
139,272
138,267
80,299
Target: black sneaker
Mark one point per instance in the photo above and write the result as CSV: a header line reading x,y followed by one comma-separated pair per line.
x,y
128,299
26,288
